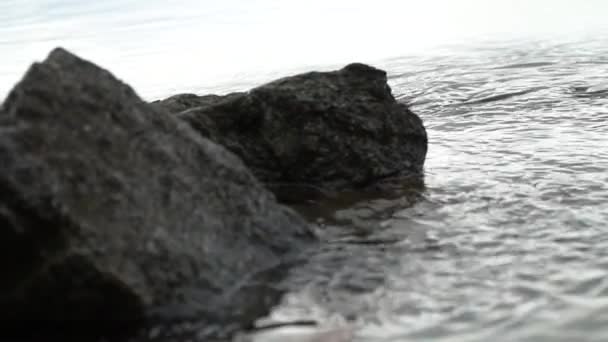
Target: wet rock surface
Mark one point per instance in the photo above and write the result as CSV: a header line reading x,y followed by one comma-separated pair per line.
x,y
314,134
116,217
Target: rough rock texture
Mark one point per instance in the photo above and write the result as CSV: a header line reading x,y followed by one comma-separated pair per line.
x,y
114,214
319,130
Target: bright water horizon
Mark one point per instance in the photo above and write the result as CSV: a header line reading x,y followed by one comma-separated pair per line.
x,y
207,46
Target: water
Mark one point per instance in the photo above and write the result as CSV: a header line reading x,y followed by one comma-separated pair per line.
x,y
508,240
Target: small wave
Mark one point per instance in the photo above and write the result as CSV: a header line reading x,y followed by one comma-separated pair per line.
x,y
525,65
504,96
597,91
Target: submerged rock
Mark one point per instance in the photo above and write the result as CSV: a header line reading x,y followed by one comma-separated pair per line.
x,y
314,132
115,215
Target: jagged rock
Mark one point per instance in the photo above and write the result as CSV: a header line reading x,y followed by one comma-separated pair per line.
x,y
314,132
115,215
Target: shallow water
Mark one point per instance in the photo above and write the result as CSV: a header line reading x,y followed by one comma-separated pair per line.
x,y
508,240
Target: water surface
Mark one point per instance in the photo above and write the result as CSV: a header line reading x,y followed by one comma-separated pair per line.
x,y
509,242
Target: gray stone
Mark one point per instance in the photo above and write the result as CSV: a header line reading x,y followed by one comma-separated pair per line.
x,y
314,133
115,215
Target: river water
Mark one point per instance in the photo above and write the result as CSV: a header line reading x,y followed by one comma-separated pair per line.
x,y
508,240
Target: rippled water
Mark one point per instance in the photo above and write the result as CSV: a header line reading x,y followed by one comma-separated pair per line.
x,y
507,242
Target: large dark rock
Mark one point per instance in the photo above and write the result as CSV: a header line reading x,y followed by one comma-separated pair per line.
x,y
329,131
115,215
